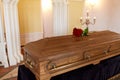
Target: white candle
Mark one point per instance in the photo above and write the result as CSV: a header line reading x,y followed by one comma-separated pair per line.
x,y
81,19
94,19
87,13
86,18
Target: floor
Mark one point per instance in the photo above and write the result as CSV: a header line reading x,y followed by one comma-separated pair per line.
x,y
8,73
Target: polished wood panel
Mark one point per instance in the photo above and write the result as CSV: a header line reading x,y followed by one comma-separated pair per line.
x,y
56,55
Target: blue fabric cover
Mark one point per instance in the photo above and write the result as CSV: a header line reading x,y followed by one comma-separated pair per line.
x,y
102,71
25,74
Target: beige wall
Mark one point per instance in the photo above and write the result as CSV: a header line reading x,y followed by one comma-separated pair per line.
x,y
75,10
29,16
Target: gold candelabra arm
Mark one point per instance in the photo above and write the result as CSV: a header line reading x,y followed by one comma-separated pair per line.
x,y
87,20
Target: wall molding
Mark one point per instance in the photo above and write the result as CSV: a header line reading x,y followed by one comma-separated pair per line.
x,y
10,20
30,37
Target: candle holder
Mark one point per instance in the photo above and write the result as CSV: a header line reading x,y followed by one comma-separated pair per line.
x,y
87,22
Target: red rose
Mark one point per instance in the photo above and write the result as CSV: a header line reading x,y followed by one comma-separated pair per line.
x,y
77,32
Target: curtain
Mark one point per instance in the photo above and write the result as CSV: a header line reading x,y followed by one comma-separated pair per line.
x,y
60,22
3,56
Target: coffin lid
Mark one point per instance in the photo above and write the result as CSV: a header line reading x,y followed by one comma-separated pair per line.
x,y
61,46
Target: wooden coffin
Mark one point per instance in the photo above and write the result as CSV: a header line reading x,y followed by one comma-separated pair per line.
x,y
56,55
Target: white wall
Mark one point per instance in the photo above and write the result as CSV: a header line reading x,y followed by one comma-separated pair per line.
x,y
114,20
101,12
107,13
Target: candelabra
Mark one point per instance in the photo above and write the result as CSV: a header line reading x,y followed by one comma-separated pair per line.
x,y
87,22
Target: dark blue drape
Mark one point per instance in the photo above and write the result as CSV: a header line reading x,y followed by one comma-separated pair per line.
x,y
25,74
102,71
